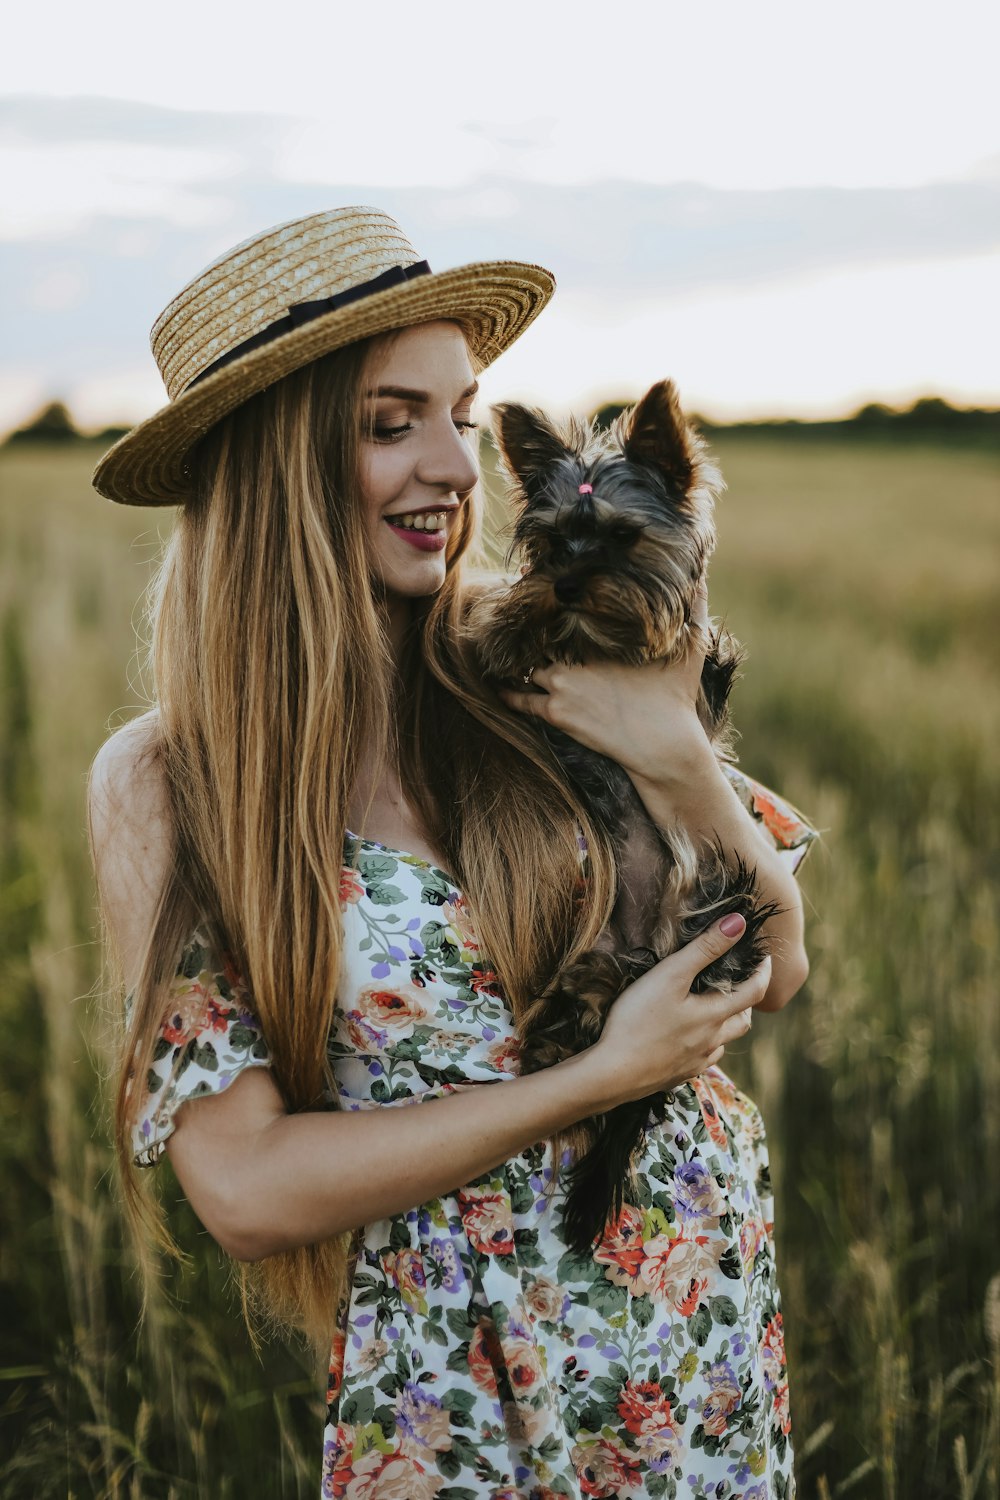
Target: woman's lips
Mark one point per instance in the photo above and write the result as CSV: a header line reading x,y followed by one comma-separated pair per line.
x,y
424,541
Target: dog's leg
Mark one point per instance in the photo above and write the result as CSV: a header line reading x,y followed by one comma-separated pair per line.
x,y
571,1017
719,888
723,659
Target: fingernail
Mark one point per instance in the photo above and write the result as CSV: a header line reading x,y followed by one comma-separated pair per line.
x,y
732,925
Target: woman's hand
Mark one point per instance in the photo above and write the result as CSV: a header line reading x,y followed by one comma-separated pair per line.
x,y
644,718
659,1034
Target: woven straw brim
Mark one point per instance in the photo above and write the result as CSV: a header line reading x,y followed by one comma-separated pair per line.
x,y
493,301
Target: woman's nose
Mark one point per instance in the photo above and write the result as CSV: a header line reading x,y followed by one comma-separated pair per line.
x,y
449,459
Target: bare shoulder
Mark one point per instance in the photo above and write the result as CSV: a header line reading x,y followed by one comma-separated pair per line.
x,y
126,786
131,835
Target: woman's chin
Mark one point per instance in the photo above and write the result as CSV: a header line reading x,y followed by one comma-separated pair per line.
x,y
417,583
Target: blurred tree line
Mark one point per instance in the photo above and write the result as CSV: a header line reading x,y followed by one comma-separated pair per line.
x,y
930,417
54,424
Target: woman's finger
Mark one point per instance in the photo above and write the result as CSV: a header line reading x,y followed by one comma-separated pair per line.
x,y
540,676
707,946
536,704
747,993
736,1026
536,683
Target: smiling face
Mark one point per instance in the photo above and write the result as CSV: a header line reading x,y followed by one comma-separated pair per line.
x,y
418,454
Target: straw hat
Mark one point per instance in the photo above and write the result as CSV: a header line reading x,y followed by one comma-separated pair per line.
x,y
285,297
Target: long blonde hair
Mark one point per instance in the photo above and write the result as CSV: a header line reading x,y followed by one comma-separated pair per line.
x,y
273,680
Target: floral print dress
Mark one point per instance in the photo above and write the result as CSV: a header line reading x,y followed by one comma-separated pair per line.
x,y
476,1355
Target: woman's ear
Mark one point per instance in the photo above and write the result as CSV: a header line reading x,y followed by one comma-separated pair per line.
x,y
657,433
528,445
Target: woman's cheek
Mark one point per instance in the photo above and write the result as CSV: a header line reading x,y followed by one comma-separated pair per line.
x,y
383,475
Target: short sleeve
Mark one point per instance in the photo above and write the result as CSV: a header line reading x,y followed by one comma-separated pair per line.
x,y
785,827
209,1036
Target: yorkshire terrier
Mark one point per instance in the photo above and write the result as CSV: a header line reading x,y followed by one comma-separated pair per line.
x,y
614,531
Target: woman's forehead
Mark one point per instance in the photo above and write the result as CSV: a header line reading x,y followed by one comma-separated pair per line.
x,y
427,356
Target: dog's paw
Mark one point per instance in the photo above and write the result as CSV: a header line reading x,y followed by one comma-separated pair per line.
x,y
721,666
721,888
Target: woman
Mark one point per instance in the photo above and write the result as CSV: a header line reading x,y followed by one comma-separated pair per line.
x,y
336,867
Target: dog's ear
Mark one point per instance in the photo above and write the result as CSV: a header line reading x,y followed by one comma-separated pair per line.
x,y
528,444
657,433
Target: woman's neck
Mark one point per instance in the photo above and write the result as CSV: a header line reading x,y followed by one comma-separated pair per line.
x,y
398,616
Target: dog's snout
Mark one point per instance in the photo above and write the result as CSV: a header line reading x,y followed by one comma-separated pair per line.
x,y
568,589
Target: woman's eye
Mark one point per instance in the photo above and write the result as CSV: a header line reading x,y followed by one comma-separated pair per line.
x,y
383,433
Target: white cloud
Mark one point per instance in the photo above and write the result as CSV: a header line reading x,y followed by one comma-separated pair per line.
x,y
773,95
56,190
57,290
134,243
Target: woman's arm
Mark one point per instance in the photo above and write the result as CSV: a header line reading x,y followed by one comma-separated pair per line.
x,y
695,793
262,1180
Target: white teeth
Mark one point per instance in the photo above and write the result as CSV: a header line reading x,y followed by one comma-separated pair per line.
x,y
435,520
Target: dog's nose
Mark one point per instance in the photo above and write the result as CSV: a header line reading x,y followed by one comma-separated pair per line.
x,y
568,589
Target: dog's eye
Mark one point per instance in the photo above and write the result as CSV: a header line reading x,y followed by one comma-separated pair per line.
x,y
622,532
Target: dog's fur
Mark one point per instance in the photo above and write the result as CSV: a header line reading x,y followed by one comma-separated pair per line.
x,y
613,575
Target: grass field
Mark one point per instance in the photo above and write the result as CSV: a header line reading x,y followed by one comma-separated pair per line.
x,y
864,582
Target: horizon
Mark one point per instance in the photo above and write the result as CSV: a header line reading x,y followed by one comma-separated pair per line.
x,y
111,431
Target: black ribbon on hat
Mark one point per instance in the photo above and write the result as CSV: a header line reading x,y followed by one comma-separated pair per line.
x,y
301,313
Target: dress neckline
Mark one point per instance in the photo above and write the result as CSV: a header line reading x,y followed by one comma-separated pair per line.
x,y
404,854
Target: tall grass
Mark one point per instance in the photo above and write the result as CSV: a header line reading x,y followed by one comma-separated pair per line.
x,y
863,581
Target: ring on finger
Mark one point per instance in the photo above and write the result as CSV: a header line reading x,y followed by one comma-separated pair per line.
x,y
527,676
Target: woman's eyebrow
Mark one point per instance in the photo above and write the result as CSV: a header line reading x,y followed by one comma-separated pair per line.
x,y
404,393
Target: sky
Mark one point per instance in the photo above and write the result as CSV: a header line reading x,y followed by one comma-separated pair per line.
x,y
788,208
